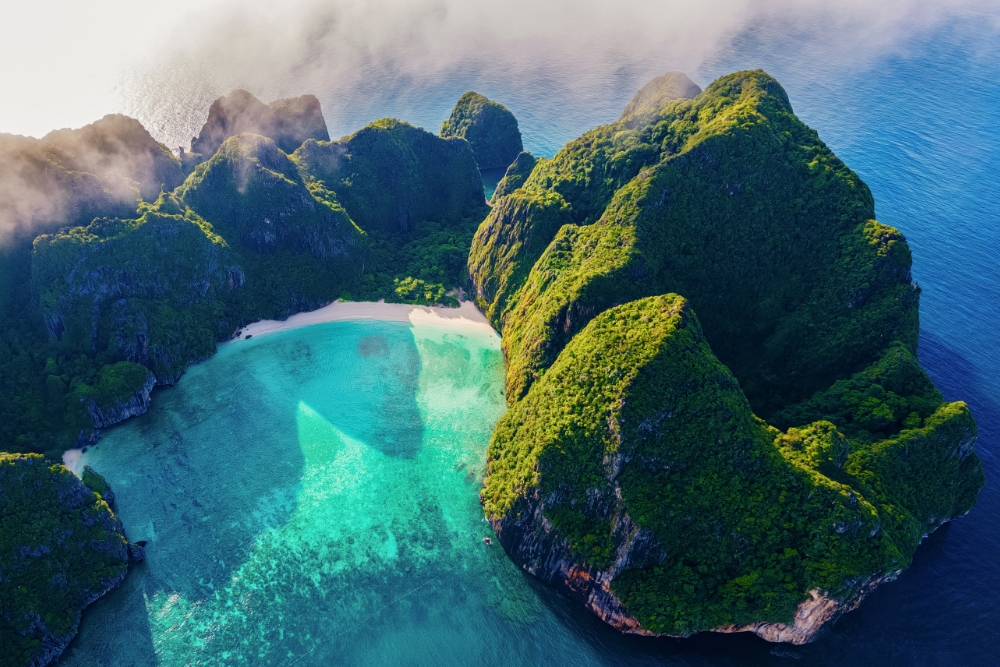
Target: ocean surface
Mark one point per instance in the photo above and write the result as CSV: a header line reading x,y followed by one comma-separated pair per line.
x,y
310,497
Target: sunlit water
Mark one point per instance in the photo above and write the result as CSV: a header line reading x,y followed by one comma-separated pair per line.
x,y
311,497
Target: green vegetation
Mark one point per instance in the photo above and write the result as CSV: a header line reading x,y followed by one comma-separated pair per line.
x,y
488,126
620,414
786,440
727,199
72,176
133,290
418,197
517,173
657,93
60,549
251,233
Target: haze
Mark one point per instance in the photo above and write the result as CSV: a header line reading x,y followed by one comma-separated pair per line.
x,y
67,64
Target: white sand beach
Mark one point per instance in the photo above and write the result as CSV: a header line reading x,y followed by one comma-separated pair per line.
x,y
72,460
466,315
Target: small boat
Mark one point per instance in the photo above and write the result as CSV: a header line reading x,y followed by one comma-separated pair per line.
x,y
488,541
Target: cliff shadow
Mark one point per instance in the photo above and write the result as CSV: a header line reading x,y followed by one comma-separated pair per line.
x,y
372,395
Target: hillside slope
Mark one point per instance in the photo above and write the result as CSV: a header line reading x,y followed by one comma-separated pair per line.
x,y
730,201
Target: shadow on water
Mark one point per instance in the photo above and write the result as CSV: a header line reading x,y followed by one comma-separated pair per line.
x,y
188,479
381,378
398,431
218,461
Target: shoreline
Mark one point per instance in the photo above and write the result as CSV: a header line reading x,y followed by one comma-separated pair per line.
x,y
466,315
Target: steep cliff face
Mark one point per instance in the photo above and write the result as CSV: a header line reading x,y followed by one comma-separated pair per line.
x,y
727,199
161,312
288,122
634,477
252,193
61,548
657,498
488,126
250,234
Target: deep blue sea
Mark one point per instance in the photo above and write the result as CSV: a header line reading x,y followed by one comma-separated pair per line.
x,y
922,128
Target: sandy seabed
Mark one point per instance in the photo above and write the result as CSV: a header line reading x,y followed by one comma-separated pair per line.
x,y
466,315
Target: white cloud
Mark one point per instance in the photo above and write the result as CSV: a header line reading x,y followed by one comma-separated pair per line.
x,y
165,62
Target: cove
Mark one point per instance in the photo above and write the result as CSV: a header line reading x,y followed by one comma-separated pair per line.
x,y
311,497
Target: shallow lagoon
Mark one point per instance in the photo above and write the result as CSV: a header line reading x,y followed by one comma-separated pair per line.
x,y
312,495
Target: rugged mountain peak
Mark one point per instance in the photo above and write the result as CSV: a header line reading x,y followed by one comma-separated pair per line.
x,y
489,126
659,91
71,176
289,122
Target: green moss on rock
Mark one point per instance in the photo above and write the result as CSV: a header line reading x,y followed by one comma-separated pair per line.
x,y
488,126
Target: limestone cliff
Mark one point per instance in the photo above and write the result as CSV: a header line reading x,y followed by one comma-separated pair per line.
x,y
72,176
488,126
118,409
288,122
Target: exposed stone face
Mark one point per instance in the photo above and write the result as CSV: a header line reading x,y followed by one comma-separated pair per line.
x,y
119,411
533,544
289,122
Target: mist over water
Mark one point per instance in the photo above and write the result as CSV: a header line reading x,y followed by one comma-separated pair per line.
x,y
562,67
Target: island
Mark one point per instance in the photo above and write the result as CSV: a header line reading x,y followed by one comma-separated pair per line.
x,y
489,127
717,420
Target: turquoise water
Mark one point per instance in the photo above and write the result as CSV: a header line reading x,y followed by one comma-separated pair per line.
x,y
233,475
311,497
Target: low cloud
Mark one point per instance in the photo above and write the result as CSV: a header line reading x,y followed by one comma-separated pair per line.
x,y
366,59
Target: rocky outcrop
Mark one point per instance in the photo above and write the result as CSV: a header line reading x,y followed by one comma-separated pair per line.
x,y
107,415
532,542
390,176
814,616
633,476
289,122
61,547
534,545
488,126
252,192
